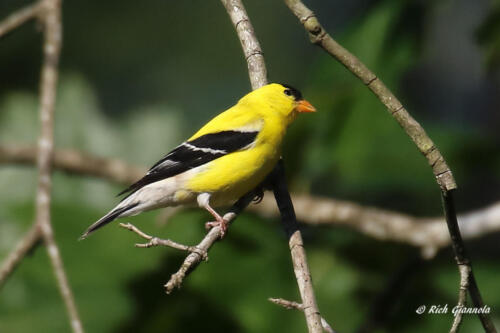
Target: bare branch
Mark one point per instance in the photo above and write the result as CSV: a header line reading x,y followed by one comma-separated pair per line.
x,y
155,241
462,296
462,259
23,247
300,267
194,258
18,18
74,162
428,233
249,43
320,37
297,306
51,19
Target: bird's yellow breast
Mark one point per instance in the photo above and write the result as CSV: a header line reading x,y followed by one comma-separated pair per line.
x,y
231,176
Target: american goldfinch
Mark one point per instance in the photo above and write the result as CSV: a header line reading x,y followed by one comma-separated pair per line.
x,y
224,160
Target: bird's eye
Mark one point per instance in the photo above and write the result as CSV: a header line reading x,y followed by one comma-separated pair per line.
x,y
288,92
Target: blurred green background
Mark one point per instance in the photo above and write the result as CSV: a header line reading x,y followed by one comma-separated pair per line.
x,y
138,78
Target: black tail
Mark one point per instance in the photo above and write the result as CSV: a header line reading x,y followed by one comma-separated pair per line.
x,y
111,216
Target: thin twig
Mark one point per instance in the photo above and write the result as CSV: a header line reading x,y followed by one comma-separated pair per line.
x,y
155,241
297,306
428,233
23,247
194,258
19,17
51,19
441,171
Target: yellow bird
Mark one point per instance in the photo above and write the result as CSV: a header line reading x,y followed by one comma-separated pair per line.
x,y
224,160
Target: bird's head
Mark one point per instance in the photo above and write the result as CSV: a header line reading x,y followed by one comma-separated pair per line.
x,y
283,99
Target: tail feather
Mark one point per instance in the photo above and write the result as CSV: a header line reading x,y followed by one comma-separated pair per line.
x,y
111,216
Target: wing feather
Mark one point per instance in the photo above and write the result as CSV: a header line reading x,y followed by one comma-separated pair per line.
x,y
194,153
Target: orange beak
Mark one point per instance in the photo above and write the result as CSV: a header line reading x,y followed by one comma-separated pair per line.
x,y
305,106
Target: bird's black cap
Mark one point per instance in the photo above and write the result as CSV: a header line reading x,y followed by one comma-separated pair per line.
x,y
293,92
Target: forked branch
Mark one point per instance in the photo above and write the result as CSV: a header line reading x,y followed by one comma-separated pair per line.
x,y
297,306
195,257
49,13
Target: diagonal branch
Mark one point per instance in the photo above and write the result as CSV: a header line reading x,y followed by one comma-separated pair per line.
x,y
155,241
23,247
19,17
249,43
320,37
296,244
195,257
467,278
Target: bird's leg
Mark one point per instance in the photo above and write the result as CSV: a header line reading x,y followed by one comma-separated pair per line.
x,y
220,222
203,201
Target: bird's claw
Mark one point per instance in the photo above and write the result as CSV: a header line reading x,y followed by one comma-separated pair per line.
x,y
223,224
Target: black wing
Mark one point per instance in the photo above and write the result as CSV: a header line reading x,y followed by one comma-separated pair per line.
x,y
194,153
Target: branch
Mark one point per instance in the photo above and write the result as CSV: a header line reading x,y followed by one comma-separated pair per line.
x,y
74,162
441,171
19,17
462,296
297,306
249,43
258,78
23,247
300,267
320,37
155,241
195,257
467,278
50,15
428,233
